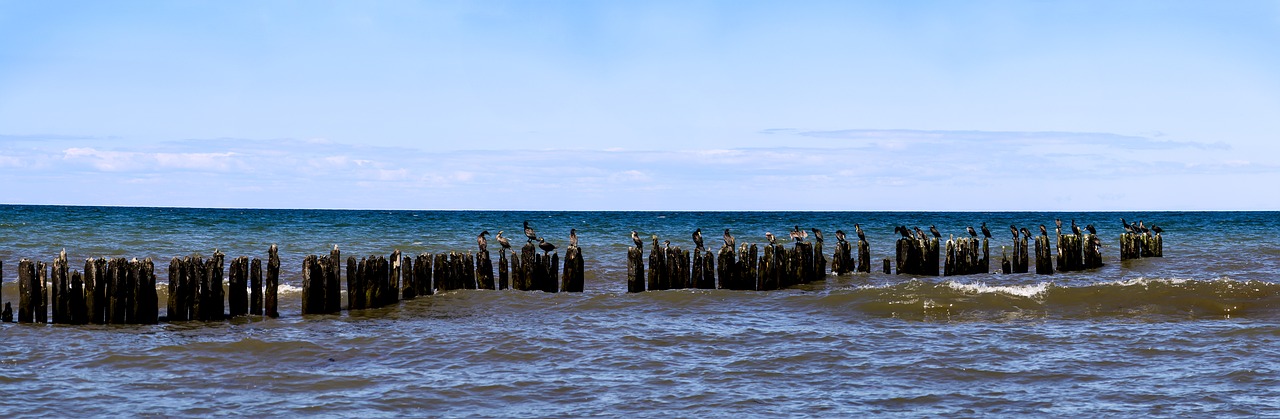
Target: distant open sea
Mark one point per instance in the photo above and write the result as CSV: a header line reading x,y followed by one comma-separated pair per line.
x,y
1195,333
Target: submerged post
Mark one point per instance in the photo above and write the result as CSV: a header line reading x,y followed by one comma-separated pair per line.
x,y
270,300
635,270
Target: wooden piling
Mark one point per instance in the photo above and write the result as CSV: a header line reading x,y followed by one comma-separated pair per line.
x,y
727,263
270,299
635,270
333,281
255,287
408,279
312,285
1092,252
216,310
864,257
355,285
657,269
504,276
238,287
422,279
28,291
574,272
78,314
708,279
1044,256
887,268
484,271
1021,261
7,315
60,289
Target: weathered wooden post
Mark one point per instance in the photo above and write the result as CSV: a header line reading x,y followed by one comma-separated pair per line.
x,y
408,279
355,284
887,268
635,270
78,313
7,315
1092,252
215,301
148,301
504,277
117,297
312,286
441,269
28,291
1006,267
985,264
333,281
574,270
270,301
765,279
178,310
748,269
949,263
819,263
864,256
484,270
422,278
255,287
1044,256
656,269
1021,260
708,279
552,283
727,265
238,287
528,260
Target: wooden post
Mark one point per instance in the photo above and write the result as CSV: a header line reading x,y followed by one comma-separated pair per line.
x,y
635,270
333,282
238,287
819,263
76,301
1006,266
985,264
28,291
886,266
7,315
727,264
708,279
484,270
422,279
528,259
355,284
574,272
177,307
312,286
441,272
117,277
255,287
469,272
504,277
1044,256
408,279
148,301
657,273
1092,252
270,299
1021,260
864,257
215,301
552,283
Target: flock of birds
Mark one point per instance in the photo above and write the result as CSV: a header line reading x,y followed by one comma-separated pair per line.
x,y
543,244
798,235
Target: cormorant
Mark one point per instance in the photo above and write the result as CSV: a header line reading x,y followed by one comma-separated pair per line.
x,y
545,246
985,233
769,236
482,241
1156,229
1142,227
636,239
906,234
1058,222
697,238
840,236
972,232
506,244
1014,230
858,229
1043,231
1075,229
728,239
1025,233
573,237
817,235
1092,230
528,232
1125,225
920,234
666,245
795,234
934,230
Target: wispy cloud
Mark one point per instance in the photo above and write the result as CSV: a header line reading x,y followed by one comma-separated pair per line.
x,y
867,170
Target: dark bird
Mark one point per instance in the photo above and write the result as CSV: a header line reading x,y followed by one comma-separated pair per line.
x,y
1092,230
1014,230
858,229
528,232
1142,227
728,239
545,246
795,234
654,237
573,237
482,241
985,233
1043,231
1125,225
934,230
817,235
666,245
635,238
769,236
920,234
697,239
1156,229
1058,223
1025,233
506,244
906,234
840,236
1075,229
972,232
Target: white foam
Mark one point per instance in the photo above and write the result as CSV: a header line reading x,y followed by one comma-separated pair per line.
x,y
1026,291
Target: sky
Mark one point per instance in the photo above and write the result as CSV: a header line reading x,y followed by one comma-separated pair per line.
x,y
644,105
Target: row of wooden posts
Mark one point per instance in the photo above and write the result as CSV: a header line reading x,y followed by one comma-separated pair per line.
x,y
776,267
378,281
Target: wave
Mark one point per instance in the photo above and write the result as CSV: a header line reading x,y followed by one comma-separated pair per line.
x,y
1221,297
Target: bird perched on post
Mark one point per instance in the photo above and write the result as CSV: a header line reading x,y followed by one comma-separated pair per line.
x,y
482,241
1126,226
934,229
654,237
506,244
1026,233
545,246
840,236
817,235
635,238
769,236
985,232
906,234
920,234
697,239
797,234
858,230
573,237
728,239
1058,223
1013,229
1091,229
1156,229
1074,228
528,232
973,233
666,245
1044,231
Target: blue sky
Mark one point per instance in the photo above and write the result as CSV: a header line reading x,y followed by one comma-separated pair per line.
x,y
732,105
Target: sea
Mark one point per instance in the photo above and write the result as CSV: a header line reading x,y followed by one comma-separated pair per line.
x,y
1194,333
